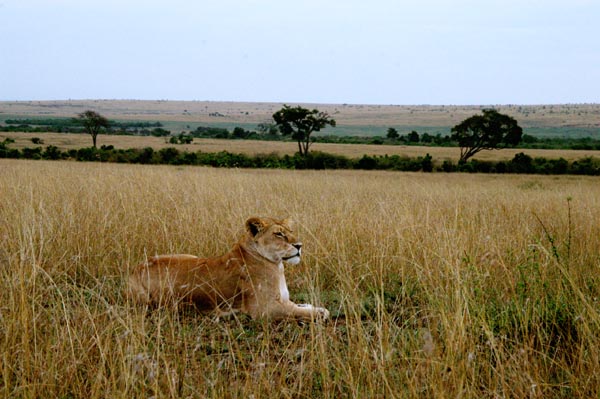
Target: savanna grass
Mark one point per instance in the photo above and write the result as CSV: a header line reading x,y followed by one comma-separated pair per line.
x,y
439,285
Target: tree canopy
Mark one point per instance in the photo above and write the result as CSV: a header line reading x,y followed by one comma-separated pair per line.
x,y
300,123
490,131
392,133
92,123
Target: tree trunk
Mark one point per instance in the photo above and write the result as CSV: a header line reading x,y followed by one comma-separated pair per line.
x,y
306,144
300,151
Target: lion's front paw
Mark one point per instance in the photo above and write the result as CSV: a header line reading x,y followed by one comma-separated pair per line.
x,y
313,312
322,313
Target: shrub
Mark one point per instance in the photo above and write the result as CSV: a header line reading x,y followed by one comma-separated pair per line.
x,y
481,166
427,163
52,153
168,155
448,166
32,153
87,154
321,160
145,156
551,166
521,163
586,166
367,162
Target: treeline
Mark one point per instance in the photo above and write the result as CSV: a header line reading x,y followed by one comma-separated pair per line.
x,y
266,132
269,132
521,163
263,132
74,125
439,140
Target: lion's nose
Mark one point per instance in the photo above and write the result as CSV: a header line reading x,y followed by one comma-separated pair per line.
x,y
297,245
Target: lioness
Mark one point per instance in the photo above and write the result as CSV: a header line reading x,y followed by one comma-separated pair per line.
x,y
249,278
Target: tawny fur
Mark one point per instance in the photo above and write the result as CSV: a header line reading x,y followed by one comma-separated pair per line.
x,y
249,278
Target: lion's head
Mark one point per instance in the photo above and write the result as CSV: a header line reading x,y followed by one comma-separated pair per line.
x,y
274,239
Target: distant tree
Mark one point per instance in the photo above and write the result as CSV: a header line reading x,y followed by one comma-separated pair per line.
x,y
490,131
413,137
92,123
527,138
240,133
267,129
300,123
185,138
427,163
159,132
392,133
181,138
426,138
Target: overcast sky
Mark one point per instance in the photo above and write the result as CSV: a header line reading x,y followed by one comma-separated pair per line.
x,y
320,51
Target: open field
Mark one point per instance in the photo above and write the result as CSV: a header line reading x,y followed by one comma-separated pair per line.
x,y
69,141
440,285
352,119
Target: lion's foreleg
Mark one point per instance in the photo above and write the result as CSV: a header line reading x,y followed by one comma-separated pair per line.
x,y
307,311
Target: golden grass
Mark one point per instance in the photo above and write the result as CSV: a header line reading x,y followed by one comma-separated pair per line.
x,y
440,285
75,141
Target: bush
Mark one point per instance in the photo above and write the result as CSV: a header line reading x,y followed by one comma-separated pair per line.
x,y
427,163
52,153
551,166
448,166
6,152
169,155
521,163
32,153
146,156
366,162
87,154
586,166
321,160
481,166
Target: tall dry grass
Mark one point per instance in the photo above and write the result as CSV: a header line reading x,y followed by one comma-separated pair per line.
x,y
439,285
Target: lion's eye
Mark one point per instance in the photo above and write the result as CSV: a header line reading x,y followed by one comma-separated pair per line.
x,y
280,234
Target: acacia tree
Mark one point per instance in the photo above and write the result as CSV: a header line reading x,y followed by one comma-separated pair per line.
x,y
392,133
92,123
300,123
490,131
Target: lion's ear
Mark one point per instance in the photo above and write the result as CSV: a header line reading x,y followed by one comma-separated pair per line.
x,y
289,223
255,225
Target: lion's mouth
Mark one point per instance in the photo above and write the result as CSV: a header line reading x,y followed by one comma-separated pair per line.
x,y
297,254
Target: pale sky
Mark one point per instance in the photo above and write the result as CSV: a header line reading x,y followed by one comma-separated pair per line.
x,y
365,52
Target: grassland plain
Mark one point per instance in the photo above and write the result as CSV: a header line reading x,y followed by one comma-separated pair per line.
x,y
66,141
576,120
439,285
